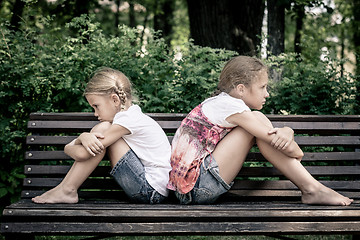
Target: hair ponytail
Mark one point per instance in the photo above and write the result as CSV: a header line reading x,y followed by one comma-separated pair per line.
x,y
239,70
107,81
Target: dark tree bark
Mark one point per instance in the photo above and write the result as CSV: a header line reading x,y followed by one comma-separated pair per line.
x,y
81,7
300,14
132,19
117,16
163,18
276,33
276,26
17,14
356,40
231,24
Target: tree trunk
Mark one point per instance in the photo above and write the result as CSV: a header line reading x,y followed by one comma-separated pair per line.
x,y
132,19
300,14
81,7
276,34
17,14
117,14
163,18
356,40
276,26
229,24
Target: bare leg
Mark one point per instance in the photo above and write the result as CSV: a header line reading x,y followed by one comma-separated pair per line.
x,y
230,154
313,192
117,150
231,151
66,191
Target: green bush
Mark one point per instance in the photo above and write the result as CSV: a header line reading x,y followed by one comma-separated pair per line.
x,y
311,86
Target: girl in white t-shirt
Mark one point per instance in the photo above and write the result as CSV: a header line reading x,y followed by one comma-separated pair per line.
x,y
138,148
210,147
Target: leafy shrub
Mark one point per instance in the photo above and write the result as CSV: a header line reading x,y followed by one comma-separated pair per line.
x,y
311,86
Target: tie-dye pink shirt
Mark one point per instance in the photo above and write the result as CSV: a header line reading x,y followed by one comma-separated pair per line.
x,y
193,141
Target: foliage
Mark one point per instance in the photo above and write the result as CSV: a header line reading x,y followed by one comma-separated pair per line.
x,y
41,71
311,86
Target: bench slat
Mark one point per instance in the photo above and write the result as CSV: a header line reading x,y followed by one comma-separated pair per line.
x,y
179,116
301,140
81,126
180,228
308,156
239,196
171,126
109,183
245,171
168,212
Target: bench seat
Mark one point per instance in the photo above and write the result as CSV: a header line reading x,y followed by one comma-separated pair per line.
x,y
261,202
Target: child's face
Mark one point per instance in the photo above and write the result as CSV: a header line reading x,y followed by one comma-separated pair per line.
x,y
255,95
105,106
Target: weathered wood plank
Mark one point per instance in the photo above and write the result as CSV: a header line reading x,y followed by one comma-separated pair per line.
x,y
301,140
183,228
175,116
245,171
256,157
171,126
174,212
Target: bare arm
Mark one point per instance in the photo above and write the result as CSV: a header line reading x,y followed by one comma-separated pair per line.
x,y
258,129
87,144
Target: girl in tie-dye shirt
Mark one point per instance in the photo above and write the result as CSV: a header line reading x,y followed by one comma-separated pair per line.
x,y
210,146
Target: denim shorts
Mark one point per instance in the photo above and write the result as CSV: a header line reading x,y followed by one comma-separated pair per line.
x,y
208,187
129,173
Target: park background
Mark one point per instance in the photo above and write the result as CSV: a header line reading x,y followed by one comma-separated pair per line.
x,y
173,52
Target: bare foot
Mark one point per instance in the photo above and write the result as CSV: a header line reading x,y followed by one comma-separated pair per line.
x,y
57,195
325,196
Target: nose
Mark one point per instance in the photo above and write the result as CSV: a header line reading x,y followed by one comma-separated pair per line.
x,y
267,94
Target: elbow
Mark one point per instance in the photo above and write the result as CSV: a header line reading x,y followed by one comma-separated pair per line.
x,y
299,156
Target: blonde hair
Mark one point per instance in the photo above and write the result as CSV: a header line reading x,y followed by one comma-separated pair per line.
x,y
106,81
239,70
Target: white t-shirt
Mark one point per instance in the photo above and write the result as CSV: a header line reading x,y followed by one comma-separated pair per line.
x,y
218,108
150,144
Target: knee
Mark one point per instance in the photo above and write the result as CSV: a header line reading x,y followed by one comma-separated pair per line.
x,y
242,134
101,127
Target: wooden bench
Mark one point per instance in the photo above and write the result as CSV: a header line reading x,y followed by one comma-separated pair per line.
x,y
261,202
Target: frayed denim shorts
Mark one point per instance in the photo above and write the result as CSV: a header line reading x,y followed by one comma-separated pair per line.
x,y
208,187
129,173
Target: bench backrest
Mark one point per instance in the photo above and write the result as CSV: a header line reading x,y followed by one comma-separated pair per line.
x,y
331,145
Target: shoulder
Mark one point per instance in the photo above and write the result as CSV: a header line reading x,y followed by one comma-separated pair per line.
x,y
130,112
224,98
218,108
224,103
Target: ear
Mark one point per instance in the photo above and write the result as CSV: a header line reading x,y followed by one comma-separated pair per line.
x,y
240,88
115,98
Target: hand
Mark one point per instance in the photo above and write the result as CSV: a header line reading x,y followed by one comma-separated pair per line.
x,y
91,142
282,137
